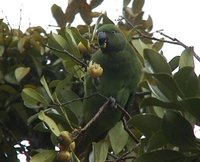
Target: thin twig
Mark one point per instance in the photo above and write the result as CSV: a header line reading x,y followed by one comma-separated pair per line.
x,y
101,109
124,156
179,43
68,53
118,106
173,40
129,131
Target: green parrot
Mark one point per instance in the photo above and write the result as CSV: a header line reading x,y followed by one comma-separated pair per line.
x,y
122,71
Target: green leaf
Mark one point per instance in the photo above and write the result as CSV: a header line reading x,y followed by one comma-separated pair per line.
x,y
77,36
155,62
71,35
148,124
118,137
58,15
44,156
100,151
174,62
137,6
58,42
163,86
21,72
10,78
161,156
33,98
178,131
151,101
66,95
46,87
8,89
149,25
187,80
48,121
157,140
186,58
191,105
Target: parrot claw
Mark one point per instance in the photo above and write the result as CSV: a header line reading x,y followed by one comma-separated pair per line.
x,y
112,102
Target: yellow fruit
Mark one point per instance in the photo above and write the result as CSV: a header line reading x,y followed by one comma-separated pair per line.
x,y
95,70
82,48
65,139
72,146
63,156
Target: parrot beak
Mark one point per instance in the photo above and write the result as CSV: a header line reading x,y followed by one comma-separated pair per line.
x,y
102,39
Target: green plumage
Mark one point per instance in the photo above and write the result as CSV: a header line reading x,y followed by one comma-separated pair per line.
x,y
122,72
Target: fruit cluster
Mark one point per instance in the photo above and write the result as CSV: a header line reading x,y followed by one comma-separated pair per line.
x,y
66,146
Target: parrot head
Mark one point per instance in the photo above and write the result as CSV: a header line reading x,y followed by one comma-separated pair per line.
x,y
110,38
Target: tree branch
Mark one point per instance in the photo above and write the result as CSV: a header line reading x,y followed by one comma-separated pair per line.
x,y
173,40
101,109
69,54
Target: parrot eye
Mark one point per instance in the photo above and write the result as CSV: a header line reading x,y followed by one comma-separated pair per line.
x,y
113,32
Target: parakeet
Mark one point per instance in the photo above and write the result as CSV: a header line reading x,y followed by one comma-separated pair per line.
x,y
120,74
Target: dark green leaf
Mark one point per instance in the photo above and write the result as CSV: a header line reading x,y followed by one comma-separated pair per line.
x,y
157,140
151,101
146,123
163,86
178,130
174,62
8,89
161,156
187,80
155,62
192,106
186,58
70,99
118,137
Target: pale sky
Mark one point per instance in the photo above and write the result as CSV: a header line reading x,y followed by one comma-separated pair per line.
x,y
178,18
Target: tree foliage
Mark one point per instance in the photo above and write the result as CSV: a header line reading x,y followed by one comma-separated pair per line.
x,y
41,91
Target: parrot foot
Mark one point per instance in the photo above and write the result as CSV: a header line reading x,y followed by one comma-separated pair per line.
x,y
112,102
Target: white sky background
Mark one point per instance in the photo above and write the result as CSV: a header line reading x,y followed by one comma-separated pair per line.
x,y
178,18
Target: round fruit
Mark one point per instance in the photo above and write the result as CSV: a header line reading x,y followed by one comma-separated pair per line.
x,y
63,156
72,146
65,138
